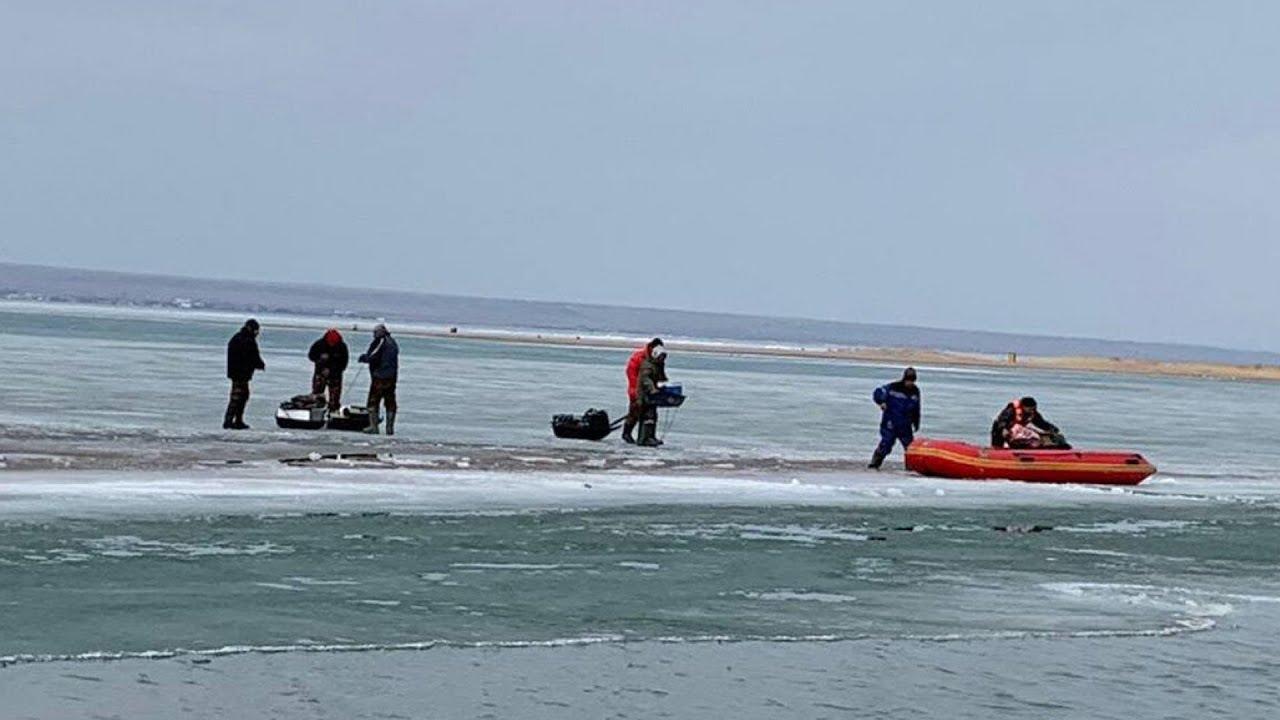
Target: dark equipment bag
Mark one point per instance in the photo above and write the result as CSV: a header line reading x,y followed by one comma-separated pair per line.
x,y
591,425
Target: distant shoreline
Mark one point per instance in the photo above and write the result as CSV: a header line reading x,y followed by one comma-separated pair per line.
x,y
245,298
900,356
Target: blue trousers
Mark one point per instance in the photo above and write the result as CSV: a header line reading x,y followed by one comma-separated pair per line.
x,y
890,433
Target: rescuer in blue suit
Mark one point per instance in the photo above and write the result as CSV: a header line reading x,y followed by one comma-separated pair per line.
x,y
900,405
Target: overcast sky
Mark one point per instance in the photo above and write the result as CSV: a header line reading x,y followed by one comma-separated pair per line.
x,y
1091,168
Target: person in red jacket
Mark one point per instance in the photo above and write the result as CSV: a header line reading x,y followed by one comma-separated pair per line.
x,y
633,373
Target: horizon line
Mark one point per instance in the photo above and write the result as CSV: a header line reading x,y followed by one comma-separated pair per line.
x,y
612,306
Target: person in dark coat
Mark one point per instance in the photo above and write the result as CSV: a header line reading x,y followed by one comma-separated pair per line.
x,y
330,355
383,358
243,359
1020,425
900,415
633,379
649,379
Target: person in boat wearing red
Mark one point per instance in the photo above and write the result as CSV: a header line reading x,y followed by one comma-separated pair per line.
x,y
900,415
330,355
1020,426
633,375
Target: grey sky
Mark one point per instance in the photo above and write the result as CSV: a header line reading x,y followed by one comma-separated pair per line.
x,y
1093,168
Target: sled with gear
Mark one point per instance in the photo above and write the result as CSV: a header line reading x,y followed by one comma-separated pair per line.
x,y
302,412
353,418
595,424
309,412
591,425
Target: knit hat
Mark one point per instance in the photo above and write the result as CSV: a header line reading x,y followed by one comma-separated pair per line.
x,y
380,330
333,337
251,325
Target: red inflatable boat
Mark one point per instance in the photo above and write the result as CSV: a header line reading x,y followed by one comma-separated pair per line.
x,y
963,461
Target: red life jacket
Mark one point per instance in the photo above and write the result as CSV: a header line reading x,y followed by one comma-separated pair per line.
x,y
633,370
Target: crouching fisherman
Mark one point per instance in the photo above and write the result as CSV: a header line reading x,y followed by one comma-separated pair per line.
x,y
1021,426
243,359
649,379
330,355
383,358
899,417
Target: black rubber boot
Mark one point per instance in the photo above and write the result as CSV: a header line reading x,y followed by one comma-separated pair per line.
x,y
648,438
373,422
391,423
877,459
229,418
236,413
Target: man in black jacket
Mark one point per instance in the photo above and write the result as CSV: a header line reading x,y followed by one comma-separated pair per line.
x,y
383,357
1010,426
243,359
330,356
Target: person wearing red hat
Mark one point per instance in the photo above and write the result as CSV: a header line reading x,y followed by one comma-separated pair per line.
x,y
330,355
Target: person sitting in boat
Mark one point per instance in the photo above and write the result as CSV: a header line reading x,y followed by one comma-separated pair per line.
x,y
900,415
633,379
1021,426
330,355
649,380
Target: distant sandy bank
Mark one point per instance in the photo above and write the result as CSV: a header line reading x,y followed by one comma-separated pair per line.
x,y
902,356
897,356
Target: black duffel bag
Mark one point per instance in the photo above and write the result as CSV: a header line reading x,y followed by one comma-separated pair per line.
x,y
591,425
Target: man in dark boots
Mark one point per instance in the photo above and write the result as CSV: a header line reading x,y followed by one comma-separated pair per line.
x,y
900,415
653,370
243,359
383,358
633,375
